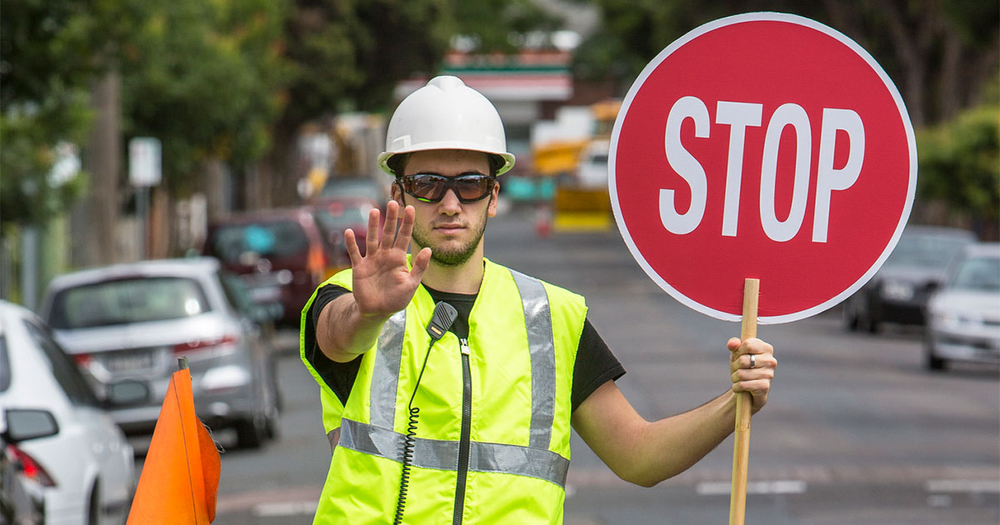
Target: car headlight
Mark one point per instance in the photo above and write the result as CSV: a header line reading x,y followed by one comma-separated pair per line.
x,y
945,319
898,290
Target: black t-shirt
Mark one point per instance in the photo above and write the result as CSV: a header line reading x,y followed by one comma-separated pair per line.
x,y
595,364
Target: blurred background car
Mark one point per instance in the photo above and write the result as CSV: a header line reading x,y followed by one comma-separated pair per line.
x,y
282,255
66,442
334,215
963,316
133,321
898,293
371,188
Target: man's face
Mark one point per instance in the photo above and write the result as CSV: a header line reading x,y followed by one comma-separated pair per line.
x,y
451,229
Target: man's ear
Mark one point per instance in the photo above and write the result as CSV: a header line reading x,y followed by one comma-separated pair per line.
x,y
396,192
494,195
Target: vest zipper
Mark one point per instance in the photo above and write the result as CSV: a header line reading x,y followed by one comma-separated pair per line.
x,y
464,446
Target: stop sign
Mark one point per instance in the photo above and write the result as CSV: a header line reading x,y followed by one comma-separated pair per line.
x,y
764,146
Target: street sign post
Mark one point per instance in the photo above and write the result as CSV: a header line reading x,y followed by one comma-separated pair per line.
x,y
762,149
144,171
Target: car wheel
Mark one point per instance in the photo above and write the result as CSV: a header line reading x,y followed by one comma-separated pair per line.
x,y
934,363
868,320
94,506
850,315
251,433
271,427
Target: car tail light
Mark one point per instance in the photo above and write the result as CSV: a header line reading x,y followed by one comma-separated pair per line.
x,y
83,360
203,344
31,468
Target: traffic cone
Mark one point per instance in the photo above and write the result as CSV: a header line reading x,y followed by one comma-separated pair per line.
x,y
180,478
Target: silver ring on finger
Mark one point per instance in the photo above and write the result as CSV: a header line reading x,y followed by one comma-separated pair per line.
x,y
753,361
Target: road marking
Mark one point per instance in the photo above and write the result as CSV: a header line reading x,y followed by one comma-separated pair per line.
x,y
718,488
963,485
285,508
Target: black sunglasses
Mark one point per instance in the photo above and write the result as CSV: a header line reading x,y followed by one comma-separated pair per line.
x,y
429,187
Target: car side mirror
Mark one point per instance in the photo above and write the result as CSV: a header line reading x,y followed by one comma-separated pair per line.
x,y
126,393
28,424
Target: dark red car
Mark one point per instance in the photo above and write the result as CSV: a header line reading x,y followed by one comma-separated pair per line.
x,y
336,214
282,254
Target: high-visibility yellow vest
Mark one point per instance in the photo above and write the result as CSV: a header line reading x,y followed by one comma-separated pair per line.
x,y
492,436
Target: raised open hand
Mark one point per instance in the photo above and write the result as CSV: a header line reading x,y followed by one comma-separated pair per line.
x,y
383,284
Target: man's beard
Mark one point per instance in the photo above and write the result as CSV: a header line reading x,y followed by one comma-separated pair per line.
x,y
456,256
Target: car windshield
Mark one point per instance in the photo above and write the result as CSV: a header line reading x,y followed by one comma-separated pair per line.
x,y
124,301
925,251
366,188
978,273
268,239
334,217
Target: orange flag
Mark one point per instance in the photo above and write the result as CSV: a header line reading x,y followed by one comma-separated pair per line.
x,y
180,478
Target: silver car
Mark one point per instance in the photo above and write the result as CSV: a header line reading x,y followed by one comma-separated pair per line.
x,y
133,322
964,315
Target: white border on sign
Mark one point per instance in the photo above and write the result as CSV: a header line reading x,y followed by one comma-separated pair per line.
x,y
711,26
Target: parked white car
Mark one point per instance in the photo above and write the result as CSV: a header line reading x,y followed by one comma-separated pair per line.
x,y
87,466
964,314
133,321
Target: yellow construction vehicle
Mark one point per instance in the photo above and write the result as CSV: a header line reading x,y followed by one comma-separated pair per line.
x,y
579,167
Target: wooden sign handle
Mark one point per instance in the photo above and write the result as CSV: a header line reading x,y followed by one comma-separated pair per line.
x,y
744,402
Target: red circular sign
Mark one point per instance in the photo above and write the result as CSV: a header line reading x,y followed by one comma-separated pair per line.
x,y
764,146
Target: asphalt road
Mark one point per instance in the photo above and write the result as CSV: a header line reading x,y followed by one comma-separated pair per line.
x,y
856,431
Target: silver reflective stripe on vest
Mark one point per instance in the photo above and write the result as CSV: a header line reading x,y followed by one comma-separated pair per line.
x,y
443,455
385,376
543,358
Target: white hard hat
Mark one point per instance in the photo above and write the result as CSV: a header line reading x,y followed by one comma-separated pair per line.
x,y
446,114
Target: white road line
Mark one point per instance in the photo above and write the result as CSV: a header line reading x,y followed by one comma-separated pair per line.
x,y
284,508
718,488
963,485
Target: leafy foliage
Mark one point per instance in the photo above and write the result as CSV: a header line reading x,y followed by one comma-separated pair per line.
x,y
205,78
940,54
960,162
46,59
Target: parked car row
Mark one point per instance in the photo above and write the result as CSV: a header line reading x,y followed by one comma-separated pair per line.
x,y
126,325
284,254
94,365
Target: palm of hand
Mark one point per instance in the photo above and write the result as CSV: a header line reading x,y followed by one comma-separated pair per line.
x,y
382,280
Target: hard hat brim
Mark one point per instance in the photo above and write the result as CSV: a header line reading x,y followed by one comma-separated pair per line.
x,y
383,158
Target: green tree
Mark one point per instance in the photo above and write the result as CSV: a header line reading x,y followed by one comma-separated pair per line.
x,y
346,55
205,78
960,164
940,54
46,60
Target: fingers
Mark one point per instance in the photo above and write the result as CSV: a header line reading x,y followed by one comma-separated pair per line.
x,y
389,228
752,345
420,263
406,229
371,242
752,365
352,247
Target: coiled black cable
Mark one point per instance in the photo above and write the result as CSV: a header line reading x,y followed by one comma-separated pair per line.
x,y
408,443
444,316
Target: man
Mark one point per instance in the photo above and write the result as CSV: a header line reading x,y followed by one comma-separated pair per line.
x,y
466,417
